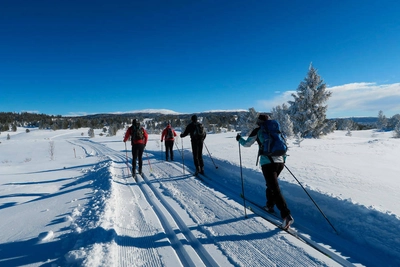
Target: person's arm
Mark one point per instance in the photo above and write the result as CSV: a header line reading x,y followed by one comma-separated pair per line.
x,y
187,131
250,140
163,134
127,134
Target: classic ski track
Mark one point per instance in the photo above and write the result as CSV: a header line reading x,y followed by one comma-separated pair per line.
x,y
220,206
206,258
128,251
254,252
163,210
295,233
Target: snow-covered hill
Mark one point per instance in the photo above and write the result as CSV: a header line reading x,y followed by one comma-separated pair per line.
x,y
83,207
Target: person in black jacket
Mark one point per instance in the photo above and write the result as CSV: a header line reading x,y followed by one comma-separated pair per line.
x,y
197,137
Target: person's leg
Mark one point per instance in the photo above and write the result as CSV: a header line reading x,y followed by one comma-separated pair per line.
x,y
134,158
200,156
195,155
140,156
166,150
172,150
271,173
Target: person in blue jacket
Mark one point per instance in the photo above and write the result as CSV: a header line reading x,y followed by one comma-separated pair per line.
x,y
271,171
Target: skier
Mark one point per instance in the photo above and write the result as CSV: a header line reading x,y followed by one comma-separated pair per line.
x,y
197,136
169,135
139,139
271,168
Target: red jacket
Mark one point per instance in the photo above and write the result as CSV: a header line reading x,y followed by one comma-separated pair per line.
x,y
165,132
134,142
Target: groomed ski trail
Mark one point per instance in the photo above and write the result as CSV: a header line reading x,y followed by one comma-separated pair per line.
x,y
168,218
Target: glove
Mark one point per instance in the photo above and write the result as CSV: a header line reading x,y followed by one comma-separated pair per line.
x,y
238,137
180,136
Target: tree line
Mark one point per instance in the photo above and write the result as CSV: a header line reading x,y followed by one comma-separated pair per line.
x,y
303,117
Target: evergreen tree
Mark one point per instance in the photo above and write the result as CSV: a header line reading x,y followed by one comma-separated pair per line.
x,y
307,110
247,121
396,131
382,121
280,113
393,121
91,133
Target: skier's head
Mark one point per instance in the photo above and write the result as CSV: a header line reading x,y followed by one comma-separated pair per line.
x,y
133,121
194,118
262,118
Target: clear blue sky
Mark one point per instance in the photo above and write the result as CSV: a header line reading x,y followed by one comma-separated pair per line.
x,y
85,57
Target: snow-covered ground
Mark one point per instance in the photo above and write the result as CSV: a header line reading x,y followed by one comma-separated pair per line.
x,y
70,200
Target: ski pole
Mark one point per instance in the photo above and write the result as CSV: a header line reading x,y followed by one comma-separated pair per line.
x,y
183,162
147,156
312,200
210,155
177,148
241,177
126,154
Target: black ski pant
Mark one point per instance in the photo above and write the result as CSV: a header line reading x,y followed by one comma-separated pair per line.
x,y
137,155
273,192
197,150
169,146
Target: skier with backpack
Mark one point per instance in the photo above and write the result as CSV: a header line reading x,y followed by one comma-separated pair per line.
x,y
197,136
272,155
139,139
169,135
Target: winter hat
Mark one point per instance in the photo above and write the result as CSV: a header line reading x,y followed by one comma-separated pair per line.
x,y
263,117
194,118
134,121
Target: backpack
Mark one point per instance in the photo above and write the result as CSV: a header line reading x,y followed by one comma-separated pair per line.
x,y
137,132
199,132
273,140
170,134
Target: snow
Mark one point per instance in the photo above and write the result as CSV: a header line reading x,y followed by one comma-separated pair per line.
x,y
82,207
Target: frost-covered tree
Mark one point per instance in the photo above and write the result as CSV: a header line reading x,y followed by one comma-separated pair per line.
x,y
345,124
393,121
112,130
280,113
396,131
91,133
307,110
381,122
247,121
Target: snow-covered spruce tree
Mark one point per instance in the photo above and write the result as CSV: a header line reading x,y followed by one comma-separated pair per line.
x,y
91,133
392,122
247,122
396,131
381,122
280,113
307,111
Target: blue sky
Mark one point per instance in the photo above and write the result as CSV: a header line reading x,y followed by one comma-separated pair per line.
x,y
85,57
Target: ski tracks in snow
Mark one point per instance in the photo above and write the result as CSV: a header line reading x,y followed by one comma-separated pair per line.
x,y
167,218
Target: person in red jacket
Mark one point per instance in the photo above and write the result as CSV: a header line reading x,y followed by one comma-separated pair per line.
x,y
169,135
139,139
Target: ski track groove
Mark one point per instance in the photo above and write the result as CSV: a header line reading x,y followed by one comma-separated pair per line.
x,y
248,248
194,187
130,253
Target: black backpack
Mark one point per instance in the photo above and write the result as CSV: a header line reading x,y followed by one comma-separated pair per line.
x,y
199,131
170,134
137,132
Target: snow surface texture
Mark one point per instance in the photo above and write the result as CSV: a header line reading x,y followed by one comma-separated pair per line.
x,y
81,206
